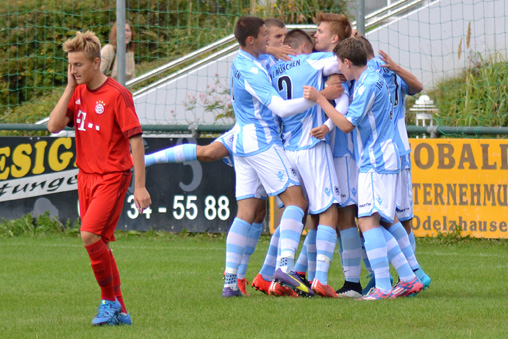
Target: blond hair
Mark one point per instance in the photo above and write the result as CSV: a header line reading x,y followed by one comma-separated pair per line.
x,y
339,24
84,42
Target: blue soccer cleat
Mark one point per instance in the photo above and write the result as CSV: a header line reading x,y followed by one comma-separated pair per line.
x,y
371,284
423,277
124,319
107,313
228,292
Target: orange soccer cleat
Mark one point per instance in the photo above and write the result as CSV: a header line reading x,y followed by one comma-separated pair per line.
x,y
242,286
325,291
261,284
281,291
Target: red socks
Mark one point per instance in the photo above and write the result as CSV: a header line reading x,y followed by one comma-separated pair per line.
x,y
102,268
116,282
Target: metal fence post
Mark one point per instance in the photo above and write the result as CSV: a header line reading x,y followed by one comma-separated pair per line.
x,y
120,41
360,16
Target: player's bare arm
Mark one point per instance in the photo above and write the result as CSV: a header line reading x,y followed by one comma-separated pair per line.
x,y
281,53
414,85
141,196
333,91
58,118
319,132
338,119
335,79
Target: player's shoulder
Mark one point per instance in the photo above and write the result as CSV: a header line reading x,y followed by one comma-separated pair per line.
x,y
248,66
281,66
114,89
370,77
369,81
80,89
320,55
267,60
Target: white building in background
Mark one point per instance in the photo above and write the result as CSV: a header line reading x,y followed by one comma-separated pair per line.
x,y
432,41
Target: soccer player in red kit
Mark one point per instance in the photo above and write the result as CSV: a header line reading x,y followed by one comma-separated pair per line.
x,y
102,113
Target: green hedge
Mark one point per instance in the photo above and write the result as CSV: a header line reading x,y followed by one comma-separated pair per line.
x,y
32,62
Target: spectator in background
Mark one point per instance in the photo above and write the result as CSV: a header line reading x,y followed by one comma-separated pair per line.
x,y
108,54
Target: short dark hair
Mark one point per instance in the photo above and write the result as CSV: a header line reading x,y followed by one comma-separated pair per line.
x,y
367,45
271,22
247,26
353,50
296,37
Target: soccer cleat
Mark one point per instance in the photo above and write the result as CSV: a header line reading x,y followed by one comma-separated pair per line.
x,y
281,291
304,279
261,284
124,319
423,277
350,290
228,292
326,291
375,294
107,313
292,279
242,283
370,285
404,289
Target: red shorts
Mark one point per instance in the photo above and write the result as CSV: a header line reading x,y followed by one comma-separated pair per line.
x,y
101,199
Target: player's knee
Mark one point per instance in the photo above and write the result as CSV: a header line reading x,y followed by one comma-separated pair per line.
x,y
260,214
293,196
329,217
247,216
212,152
300,202
407,225
89,238
204,153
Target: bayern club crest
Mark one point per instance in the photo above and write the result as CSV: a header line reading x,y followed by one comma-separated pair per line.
x,y
100,107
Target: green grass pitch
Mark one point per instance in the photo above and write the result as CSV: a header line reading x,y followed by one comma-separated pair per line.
x,y
172,288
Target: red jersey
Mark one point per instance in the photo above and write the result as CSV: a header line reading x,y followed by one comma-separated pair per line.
x,y
104,119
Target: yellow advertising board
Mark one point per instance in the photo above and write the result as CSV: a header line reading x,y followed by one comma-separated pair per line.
x,y
460,182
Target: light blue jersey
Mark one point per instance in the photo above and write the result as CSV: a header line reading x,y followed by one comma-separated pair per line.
x,y
227,140
340,142
288,78
251,93
267,60
398,91
371,112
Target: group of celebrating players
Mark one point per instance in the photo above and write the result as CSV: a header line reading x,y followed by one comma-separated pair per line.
x,y
321,125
